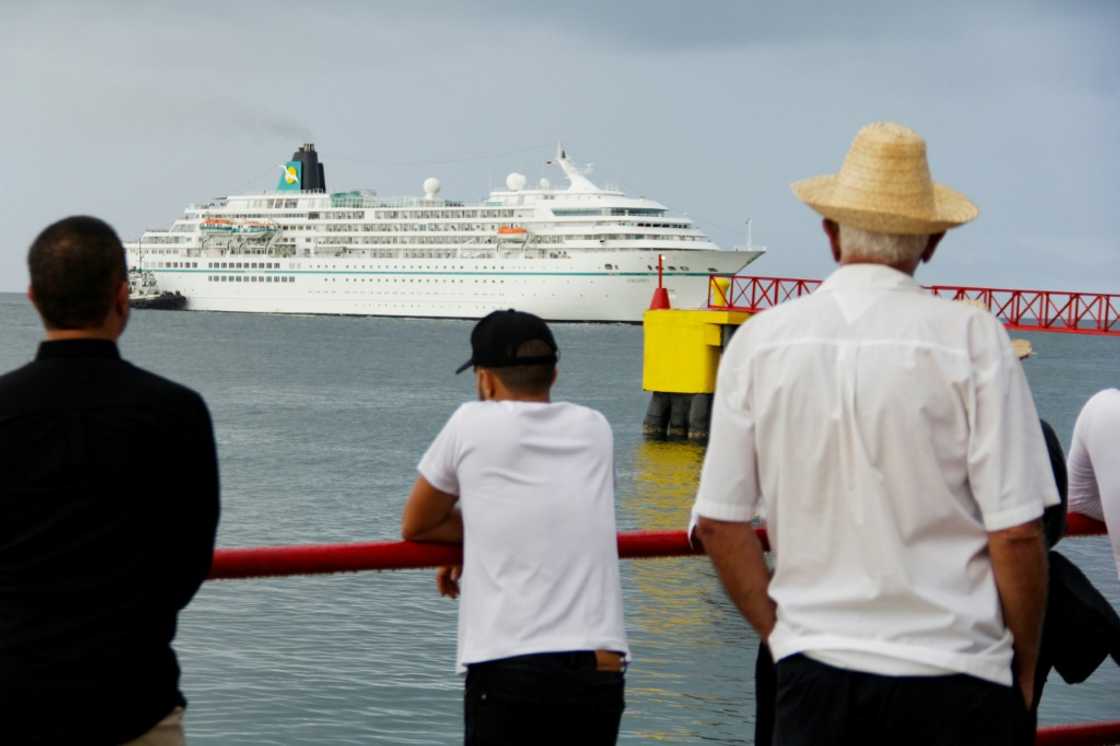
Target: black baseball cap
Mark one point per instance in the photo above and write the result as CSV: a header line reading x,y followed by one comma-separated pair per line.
x,y
496,337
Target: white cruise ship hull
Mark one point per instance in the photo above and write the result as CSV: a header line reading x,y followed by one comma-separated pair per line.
x,y
578,287
581,253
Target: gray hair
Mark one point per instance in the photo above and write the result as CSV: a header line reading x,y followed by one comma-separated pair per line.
x,y
887,248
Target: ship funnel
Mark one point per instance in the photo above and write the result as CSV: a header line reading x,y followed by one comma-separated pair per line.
x,y
313,179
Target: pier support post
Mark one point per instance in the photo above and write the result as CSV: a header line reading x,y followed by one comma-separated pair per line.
x,y
699,417
657,415
678,415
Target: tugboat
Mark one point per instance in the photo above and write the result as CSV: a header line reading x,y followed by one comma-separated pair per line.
x,y
144,293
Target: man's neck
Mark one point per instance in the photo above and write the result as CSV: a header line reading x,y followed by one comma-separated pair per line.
x,y
61,335
539,399
907,268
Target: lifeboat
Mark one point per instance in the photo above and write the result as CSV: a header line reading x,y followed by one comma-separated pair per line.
x,y
515,232
249,228
217,225
256,228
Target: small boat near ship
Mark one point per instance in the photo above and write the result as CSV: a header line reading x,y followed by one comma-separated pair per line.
x,y
144,292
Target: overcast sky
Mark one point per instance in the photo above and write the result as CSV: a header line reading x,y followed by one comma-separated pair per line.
x,y
131,110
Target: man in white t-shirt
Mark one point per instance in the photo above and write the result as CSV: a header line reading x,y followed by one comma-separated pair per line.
x,y
1094,464
893,443
528,486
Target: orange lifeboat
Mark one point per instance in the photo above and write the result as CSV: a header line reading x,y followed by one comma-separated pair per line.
x,y
512,231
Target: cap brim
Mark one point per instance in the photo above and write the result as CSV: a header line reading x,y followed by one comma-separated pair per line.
x,y
464,366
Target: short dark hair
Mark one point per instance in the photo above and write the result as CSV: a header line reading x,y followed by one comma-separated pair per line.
x,y
76,265
528,379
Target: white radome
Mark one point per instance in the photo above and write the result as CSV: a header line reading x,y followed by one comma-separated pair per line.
x,y
515,182
431,186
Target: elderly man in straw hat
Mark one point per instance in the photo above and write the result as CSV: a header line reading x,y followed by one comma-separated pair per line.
x,y
892,442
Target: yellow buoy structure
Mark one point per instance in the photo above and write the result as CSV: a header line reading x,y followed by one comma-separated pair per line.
x,y
680,357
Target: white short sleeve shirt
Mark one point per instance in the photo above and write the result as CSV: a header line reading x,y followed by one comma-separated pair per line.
x,y
1094,464
884,432
540,555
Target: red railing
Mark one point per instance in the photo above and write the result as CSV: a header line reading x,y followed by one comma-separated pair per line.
x,y
318,559
1080,734
754,294
312,559
1024,310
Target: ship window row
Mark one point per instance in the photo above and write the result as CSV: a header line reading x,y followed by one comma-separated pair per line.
x,y
260,215
149,240
251,278
274,204
628,237
437,214
177,265
243,265
409,240
579,211
401,227
415,214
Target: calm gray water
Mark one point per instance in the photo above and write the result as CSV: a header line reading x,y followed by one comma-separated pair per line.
x,y
320,422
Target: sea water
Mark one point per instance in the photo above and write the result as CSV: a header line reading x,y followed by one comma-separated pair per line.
x,y
320,422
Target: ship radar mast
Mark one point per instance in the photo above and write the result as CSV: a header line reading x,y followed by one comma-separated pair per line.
x,y
577,179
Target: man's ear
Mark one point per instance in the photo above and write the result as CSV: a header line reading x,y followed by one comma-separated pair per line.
x,y
931,246
485,383
121,298
120,310
832,230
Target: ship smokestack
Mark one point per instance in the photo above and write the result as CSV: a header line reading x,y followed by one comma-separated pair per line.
x,y
313,178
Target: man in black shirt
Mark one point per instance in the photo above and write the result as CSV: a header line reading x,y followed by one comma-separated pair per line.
x,y
108,512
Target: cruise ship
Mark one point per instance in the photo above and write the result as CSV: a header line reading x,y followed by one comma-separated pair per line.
x,y
572,253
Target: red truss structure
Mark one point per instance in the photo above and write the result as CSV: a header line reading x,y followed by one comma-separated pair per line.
x,y
1063,311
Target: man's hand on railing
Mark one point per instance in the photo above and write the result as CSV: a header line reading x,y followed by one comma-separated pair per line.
x,y
447,580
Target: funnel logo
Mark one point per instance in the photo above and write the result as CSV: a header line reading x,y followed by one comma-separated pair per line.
x,y
291,176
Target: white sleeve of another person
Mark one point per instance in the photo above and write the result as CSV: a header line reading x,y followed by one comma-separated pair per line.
x,y
440,463
1008,464
729,489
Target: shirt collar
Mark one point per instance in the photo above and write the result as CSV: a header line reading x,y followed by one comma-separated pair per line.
x,y
869,277
69,348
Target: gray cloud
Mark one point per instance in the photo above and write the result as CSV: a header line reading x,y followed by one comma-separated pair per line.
x,y
132,110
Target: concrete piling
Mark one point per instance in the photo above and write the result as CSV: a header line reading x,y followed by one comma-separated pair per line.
x,y
656,422
699,417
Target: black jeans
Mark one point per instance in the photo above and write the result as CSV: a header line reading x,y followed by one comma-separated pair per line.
x,y
547,698
765,692
826,706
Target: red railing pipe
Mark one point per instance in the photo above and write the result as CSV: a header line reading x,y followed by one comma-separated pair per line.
x,y
319,559
1079,734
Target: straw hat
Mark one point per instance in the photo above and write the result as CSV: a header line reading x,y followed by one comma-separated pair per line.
x,y
884,186
1021,347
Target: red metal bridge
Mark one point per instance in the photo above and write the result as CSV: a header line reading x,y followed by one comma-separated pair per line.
x,y
1022,310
